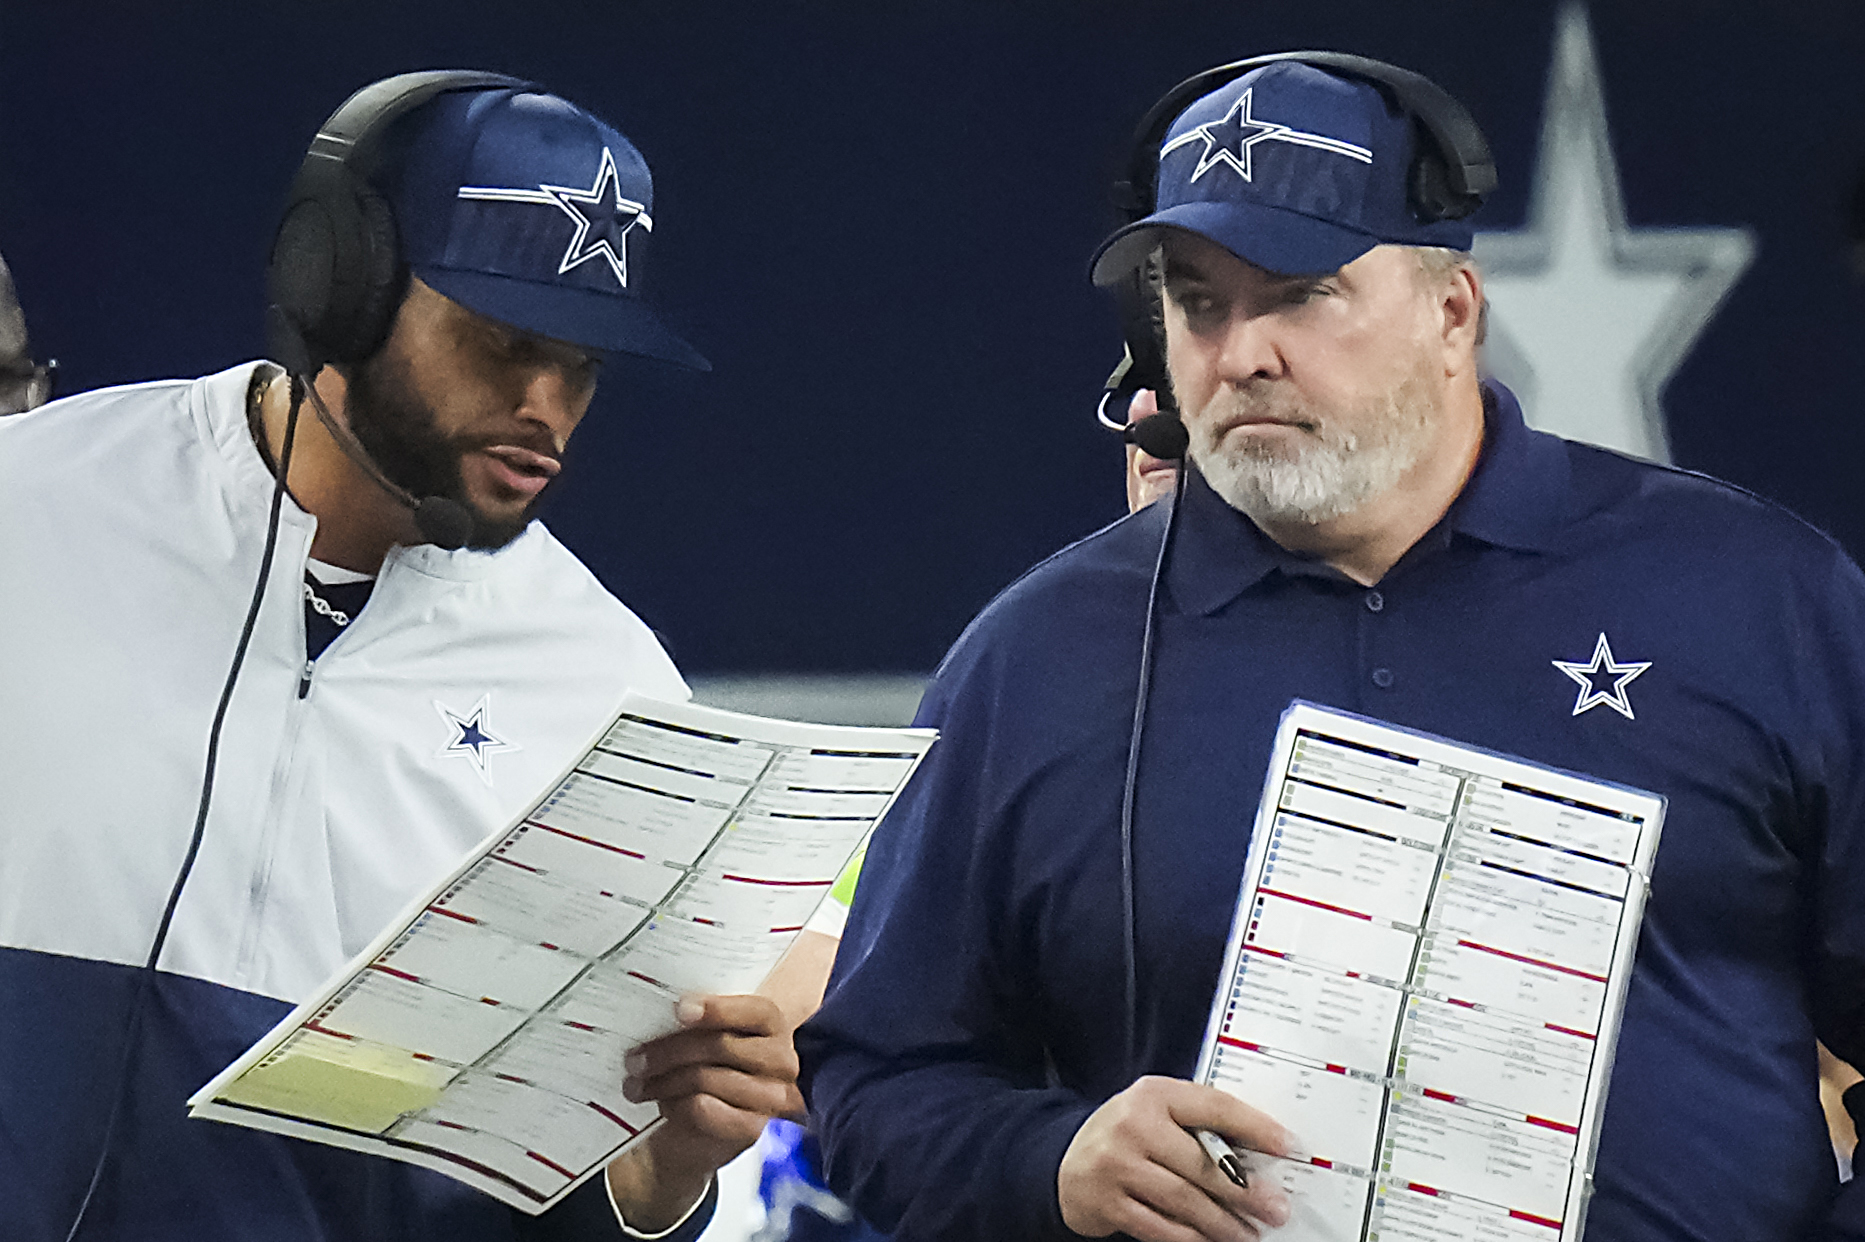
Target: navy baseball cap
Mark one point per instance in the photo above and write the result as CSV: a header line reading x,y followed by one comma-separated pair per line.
x,y
531,211
1287,167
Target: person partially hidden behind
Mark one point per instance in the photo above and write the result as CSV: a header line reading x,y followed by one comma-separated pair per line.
x,y
1367,524
1149,478
398,702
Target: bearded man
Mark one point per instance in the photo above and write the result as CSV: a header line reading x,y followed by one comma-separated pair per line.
x,y
1366,523
405,689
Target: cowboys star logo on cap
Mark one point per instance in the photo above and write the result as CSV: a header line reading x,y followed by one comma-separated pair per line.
x,y
602,216
1229,140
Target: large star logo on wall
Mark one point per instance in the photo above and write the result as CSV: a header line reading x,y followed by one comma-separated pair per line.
x,y
603,218
471,736
1590,317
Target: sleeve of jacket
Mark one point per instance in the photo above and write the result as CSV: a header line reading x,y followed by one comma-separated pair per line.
x,y
924,1071
587,1215
1830,652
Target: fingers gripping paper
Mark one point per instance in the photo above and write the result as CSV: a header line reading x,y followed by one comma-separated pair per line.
x,y
482,1034
1424,981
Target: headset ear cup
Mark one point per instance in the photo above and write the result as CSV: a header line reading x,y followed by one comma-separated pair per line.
x,y
381,277
1429,191
299,281
316,260
1143,314
1153,280
336,275
336,269
1433,194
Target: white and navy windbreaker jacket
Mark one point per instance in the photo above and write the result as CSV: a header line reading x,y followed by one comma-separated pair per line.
x,y
131,526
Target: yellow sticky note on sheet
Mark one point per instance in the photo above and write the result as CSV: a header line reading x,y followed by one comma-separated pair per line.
x,y
349,1083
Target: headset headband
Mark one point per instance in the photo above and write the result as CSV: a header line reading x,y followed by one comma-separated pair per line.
x,y
353,131
1467,168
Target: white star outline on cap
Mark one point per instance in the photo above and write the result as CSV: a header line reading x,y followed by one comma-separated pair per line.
x,y
1251,131
1589,677
565,199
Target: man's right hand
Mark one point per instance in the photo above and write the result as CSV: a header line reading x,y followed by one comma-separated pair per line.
x,y
1135,1168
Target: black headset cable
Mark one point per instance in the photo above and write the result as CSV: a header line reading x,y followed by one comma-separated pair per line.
x,y
147,975
1130,792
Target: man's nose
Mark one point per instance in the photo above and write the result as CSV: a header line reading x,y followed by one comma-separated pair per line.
x,y
1251,349
554,399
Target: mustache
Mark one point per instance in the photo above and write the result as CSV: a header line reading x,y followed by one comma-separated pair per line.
x,y
1238,407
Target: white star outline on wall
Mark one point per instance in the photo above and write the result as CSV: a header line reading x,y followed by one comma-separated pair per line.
x,y
1601,669
615,220
1590,317
472,737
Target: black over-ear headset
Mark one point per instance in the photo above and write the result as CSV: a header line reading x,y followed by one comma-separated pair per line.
x,y
337,273
1452,172
335,278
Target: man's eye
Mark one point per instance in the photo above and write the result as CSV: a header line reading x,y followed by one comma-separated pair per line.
x,y
499,345
1195,303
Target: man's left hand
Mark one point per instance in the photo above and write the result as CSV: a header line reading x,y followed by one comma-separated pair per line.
x,y
727,1070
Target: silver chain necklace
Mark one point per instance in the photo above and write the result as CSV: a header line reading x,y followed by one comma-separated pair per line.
x,y
322,608
262,379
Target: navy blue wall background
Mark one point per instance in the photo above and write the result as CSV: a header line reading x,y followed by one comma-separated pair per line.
x,y
874,219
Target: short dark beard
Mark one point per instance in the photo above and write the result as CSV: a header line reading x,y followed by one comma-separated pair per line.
x,y
403,436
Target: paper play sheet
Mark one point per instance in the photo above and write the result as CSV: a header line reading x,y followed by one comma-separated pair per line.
x,y
482,1034
1424,981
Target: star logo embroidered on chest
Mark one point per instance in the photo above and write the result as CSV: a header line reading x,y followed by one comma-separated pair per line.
x,y
1229,140
1603,680
602,217
471,736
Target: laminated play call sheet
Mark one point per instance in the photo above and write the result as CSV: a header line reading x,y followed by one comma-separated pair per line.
x,y
1424,981
483,1033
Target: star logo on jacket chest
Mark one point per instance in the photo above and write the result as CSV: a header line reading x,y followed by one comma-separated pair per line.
x,y
1603,680
470,736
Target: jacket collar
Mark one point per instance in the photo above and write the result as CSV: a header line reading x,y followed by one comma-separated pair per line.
x,y
1514,499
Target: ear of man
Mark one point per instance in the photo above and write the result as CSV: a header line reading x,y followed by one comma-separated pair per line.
x,y
1455,283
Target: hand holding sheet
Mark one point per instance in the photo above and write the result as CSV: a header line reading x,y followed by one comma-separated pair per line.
x,y
484,1034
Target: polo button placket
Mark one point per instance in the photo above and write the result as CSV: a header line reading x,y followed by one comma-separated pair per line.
x,y
1373,600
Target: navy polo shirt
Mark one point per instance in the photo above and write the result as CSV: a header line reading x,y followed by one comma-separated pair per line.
x,y
975,1016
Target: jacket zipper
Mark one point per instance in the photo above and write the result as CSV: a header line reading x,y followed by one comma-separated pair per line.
x,y
281,804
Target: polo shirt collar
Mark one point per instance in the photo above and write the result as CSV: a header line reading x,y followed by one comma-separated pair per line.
x,y
1217,552
1517,498
1514,499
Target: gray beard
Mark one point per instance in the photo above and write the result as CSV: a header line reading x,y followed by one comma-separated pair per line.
x,y
1342,463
